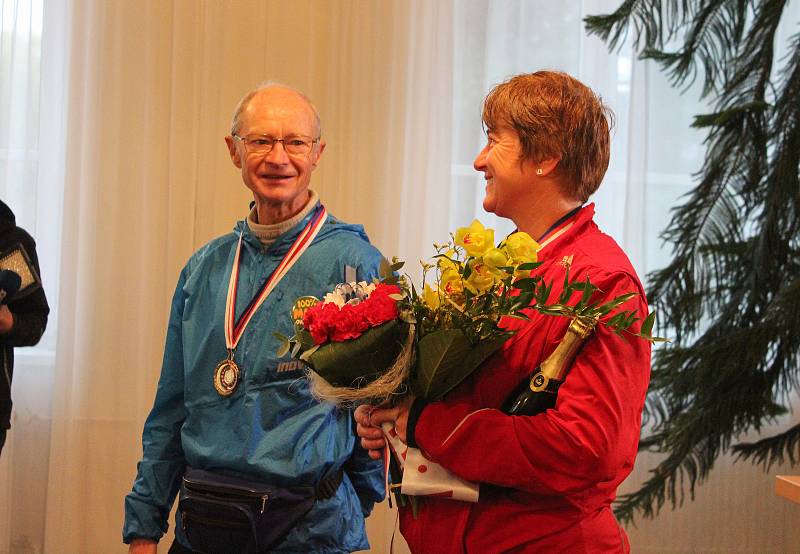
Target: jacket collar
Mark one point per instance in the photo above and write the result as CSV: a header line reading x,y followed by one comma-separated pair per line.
x,y
565,234
282,243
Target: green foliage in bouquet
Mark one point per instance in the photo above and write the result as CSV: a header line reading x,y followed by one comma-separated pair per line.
x,y
440,335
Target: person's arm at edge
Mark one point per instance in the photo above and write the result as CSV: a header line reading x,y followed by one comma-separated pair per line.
x,y
29,313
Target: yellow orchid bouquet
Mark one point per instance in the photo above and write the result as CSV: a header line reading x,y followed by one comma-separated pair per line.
x,y
436,337
457,317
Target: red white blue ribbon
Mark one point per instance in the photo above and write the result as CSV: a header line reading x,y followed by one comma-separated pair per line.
x,y
234,330
559,228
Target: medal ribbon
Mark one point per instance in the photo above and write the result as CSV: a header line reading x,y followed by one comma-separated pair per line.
x,y
234,330
559,228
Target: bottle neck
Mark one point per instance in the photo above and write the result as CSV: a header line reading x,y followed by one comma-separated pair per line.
x,y
556,365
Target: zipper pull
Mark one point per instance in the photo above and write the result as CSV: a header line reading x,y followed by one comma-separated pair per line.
x,y
264,502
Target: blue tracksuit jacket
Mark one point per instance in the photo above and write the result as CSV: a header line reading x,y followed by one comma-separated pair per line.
x,y
270,429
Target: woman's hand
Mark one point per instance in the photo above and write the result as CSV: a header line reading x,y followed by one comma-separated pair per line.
x,y
368,424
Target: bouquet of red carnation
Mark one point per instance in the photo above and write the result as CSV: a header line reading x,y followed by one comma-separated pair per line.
x,y
350,339
338,319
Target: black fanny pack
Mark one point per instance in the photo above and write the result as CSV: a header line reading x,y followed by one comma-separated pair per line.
x,y
223,514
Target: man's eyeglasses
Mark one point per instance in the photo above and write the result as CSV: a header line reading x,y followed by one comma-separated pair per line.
x,y
263,144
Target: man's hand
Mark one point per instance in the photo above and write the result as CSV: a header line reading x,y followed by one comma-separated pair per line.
x,y
6,319
369,420
143,546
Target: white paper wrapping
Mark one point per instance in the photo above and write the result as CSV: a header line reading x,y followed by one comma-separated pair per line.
x,y
423,477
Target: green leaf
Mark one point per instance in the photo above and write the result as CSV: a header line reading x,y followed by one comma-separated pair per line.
x,y
385,269
305,339
543,293
284,348
359,360
306,355
647,325
445,358
528,266
397,266
555,309
526,284
615,303
588,290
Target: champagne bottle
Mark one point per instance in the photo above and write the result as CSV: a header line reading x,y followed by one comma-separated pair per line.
x,y
537,394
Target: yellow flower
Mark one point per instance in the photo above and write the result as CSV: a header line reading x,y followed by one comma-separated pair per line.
x,y
447,262
481,279
431,297
494,258
475,239
520,247
451,282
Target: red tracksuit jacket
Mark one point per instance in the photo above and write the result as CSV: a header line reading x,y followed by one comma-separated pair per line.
x,y
547,481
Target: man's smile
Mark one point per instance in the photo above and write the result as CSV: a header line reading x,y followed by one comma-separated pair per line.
x,y
275,176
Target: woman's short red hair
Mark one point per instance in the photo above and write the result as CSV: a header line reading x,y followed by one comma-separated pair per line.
x,y
556,116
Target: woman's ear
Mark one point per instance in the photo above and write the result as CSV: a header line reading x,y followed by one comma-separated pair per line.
x,y
546,166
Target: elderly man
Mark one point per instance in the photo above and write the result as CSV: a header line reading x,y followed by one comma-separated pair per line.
x,y
259,463
546,480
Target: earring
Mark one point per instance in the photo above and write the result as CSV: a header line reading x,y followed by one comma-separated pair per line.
x,y
539,171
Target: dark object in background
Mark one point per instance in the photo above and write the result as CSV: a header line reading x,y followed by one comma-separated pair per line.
x,y
10,282
28,306
16,259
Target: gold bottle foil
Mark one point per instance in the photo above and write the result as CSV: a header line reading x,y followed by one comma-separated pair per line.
x,y
557,364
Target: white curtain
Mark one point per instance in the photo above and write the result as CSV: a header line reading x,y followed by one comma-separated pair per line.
x,y
32,56
147,180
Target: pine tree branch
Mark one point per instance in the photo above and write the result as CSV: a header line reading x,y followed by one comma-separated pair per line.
x,y
772,450
731,295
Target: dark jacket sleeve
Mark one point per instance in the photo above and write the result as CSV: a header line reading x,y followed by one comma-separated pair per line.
x,y
31,311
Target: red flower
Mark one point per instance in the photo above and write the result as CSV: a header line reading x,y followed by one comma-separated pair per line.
x,y
328,322
319,319
381,307
349,324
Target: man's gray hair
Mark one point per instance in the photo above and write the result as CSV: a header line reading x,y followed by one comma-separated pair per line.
x,y
240,107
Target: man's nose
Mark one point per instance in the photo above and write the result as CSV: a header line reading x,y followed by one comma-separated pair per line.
x,y
480,160
278,154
